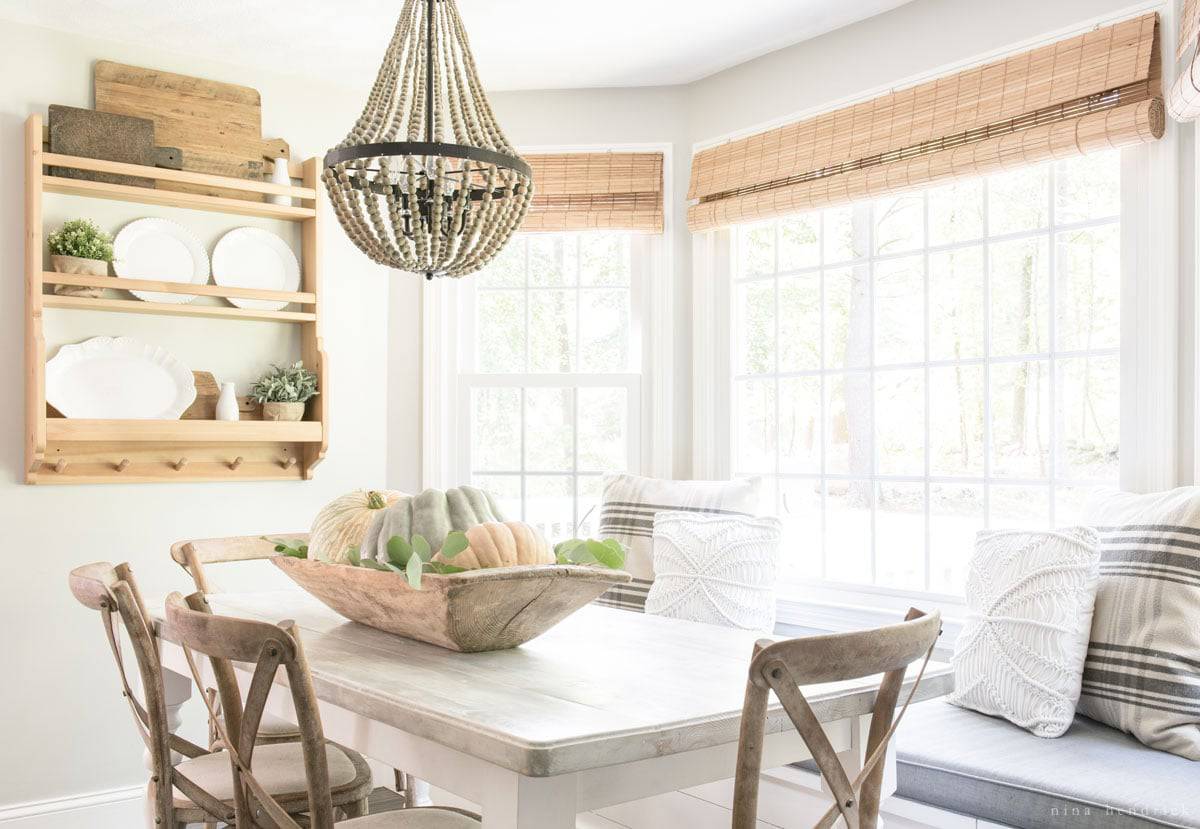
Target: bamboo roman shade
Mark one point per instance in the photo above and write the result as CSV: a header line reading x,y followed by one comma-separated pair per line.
x,y
1096,90
585,191
1183,101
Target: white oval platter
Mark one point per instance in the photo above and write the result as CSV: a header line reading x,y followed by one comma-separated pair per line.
x,y
118,378
162,250
249,257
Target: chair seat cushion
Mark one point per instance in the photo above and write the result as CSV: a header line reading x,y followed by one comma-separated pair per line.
x,y
987,767
278,767
426,817
277,729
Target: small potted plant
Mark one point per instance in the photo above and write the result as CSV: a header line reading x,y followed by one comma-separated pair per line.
x,y
284,390
79,246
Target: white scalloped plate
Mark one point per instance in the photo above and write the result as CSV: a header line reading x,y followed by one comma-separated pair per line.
x,y
249,257
162,250
118,378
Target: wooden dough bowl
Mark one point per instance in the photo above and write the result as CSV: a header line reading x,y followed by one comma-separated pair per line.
x,y
479,610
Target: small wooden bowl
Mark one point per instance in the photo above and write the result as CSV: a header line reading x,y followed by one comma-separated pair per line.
x,y
479,610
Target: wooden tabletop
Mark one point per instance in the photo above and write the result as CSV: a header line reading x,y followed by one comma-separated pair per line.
x,y
604,686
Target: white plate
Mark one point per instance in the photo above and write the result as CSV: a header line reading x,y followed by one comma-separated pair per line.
x,y
249,257
163,250
118,378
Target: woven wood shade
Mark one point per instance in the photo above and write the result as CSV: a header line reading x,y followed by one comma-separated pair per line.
x,y
1097,90
586,191
1183,100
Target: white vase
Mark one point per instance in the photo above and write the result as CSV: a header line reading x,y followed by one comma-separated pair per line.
x,y
279,175
227,404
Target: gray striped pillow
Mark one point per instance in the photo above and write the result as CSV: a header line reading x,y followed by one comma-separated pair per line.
x,y
627,513
1142,673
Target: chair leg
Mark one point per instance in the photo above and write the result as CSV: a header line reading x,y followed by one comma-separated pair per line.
x,y
359,808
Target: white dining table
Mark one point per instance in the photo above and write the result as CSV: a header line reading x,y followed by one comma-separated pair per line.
x,y
607,707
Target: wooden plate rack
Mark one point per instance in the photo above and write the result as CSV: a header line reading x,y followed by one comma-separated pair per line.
x,y
73,451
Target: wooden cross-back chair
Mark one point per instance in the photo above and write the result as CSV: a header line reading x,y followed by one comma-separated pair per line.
x,y
268,648
783,667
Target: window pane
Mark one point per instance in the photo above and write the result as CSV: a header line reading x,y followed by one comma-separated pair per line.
x,y
899,311
550,505
506,489
1089,417
604,259
955,516
756,327
552,259
507,270
603,438
1088,289
847,317
1018,507
754,410
800,322
604,333
899,224
956,304
848,424
845,238
552,331
900,422
1020,394
1087,187
1020,301
800,242
900,536
589,492
800,513
956,421
500,327
800,424
756,248
495,429
1070,503
848,530
1019,200
549,429
956,212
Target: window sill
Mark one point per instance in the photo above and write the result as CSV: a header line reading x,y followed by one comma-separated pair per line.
x,y
836,610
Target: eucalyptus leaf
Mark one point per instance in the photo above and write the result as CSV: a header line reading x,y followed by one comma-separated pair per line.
x,y
413,571
444,569
454,544
421,547
353,557
372,564
606,555
399,551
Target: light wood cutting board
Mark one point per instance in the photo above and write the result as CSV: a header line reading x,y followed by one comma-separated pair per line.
x,y
218,126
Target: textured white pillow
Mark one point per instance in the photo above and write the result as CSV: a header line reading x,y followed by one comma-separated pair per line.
x,y
1029,611
719,569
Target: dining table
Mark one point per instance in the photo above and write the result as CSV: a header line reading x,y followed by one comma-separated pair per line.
x,y
607,707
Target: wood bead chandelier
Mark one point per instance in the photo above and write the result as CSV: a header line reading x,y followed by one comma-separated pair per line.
x,y
426,182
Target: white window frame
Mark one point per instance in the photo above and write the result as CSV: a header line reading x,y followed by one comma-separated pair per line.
x,y
445,420
1149,365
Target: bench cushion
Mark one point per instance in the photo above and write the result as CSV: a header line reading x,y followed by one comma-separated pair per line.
x,y
1093,775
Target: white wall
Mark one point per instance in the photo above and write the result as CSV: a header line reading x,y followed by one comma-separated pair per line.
x,y
66,730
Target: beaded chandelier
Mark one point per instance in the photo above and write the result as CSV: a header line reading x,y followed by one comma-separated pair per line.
x,y
426,182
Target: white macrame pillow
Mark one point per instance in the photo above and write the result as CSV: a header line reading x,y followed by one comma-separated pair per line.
x,y
1029,611
719,569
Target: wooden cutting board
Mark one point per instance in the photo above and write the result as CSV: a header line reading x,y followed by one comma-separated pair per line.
x,y
218,126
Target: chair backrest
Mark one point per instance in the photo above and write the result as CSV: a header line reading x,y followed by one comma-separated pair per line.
x,y
224,640
193,554
783,667
113,592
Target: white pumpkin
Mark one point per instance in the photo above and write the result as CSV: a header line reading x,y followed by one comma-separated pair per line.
x,y
342,523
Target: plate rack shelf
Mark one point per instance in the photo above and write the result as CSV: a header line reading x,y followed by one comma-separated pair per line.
x,y
71,451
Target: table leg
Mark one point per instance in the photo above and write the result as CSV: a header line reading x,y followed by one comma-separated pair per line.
x,y
513,801
177,689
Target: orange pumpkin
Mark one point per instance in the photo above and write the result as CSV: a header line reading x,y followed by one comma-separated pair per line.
x,y
496,544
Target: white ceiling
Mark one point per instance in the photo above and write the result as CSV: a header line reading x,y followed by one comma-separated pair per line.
x,y
518,44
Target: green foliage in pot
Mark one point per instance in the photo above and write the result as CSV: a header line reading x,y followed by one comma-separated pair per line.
x,y
413,557
285,384
81,238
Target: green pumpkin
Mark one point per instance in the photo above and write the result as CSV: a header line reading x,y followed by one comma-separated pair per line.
x,y
433,514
